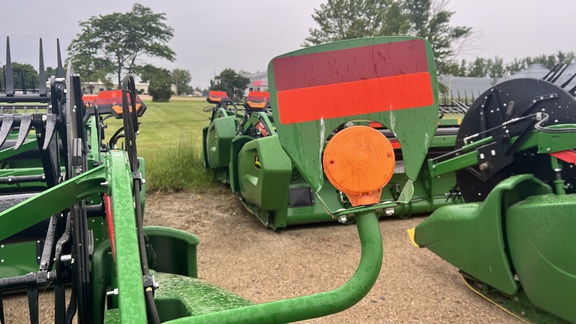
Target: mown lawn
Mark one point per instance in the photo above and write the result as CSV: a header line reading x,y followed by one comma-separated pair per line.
x,y
170,142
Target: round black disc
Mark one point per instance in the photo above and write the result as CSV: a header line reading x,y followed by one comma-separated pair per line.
x,y
501,103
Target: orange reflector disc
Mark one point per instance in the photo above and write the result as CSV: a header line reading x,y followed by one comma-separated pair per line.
x,y
359,161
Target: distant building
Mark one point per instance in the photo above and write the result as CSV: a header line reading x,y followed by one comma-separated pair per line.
x,y
472,88
537,71
258,81
534,71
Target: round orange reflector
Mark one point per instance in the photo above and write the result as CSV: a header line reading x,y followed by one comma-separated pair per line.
x,y
359,161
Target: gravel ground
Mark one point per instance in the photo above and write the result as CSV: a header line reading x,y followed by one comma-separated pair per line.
x,y
238,253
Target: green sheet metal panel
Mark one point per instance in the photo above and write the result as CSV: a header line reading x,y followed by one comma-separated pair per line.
x,y
51,201
470,236
540,232
218,141
197,296
390,80
264,172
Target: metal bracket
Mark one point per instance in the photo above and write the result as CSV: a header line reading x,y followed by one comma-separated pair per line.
x,y
491,159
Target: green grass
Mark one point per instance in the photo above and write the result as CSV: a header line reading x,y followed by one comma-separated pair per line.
x,y
170,141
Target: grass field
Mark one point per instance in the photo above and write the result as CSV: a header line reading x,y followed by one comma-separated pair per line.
x,y
170,141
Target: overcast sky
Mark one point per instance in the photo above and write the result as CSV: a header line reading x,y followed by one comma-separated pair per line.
x,y
244,35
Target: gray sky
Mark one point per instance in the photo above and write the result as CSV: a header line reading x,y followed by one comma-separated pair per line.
x,y
244,35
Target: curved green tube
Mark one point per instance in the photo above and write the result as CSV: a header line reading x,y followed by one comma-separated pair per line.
x,y
316,305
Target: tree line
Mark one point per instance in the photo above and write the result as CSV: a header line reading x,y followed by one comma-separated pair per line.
x,y
496,68
110,46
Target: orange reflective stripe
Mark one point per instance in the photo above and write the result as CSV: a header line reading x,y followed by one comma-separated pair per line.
x,y
355,98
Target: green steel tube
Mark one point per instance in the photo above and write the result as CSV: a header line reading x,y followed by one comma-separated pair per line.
x,y
317,305
559,182
10,152
51,201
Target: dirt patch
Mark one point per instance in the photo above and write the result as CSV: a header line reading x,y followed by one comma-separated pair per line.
x,y
238,253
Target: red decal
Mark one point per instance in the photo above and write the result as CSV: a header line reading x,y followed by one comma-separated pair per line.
x,y
111,97
110,222
355,98
347,65
395,144
566,156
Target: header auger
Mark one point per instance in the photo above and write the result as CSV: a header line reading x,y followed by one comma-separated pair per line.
x,y
78,221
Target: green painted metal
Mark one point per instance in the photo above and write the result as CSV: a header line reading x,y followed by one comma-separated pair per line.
x,y
196,296
544,142
271,204
10,152
559,183
300,308
26,186
171,251
218,141
51,201
457,163
183,296
262,162
540,236
254,118
95,141
204,148
471,237
534,234
264,173
220,134
130,286
414,128
515,248
18,259
555,142
236,146
175,250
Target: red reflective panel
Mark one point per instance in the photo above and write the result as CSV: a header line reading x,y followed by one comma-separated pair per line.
x,y
568,156
352,64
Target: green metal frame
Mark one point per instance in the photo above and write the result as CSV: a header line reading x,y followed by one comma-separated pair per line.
x,y
118,287
255,160
512,247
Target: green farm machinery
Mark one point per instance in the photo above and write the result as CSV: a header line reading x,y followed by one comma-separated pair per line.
x,y
71,221
241,146
513,240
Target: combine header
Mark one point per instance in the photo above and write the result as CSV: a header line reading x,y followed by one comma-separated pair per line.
x,y
513,240
72,204
242,147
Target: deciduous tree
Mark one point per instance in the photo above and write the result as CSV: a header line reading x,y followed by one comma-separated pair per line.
x,y
114,43
345,19
181,78
232,82
159,83
22,72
